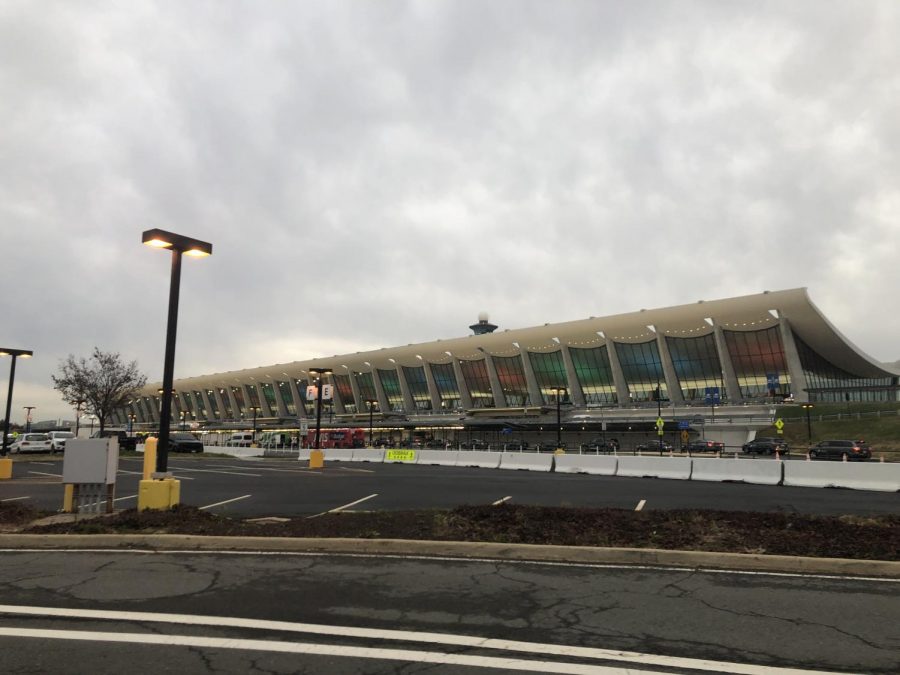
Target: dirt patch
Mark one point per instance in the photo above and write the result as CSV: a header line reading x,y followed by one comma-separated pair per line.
x,y
871,537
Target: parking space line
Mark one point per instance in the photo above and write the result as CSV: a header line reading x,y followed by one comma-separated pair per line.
x,y
640,505
141,473
500,501
307,472
229,473
13,499
41,473
227,501
341,508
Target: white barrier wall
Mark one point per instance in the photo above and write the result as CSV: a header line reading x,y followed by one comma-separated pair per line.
x,y
368,454
479,458
853,475
654,467
437,457
600,465
758,472
338,454
233,451
529,461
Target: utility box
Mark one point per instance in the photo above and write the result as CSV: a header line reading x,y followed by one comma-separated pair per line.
x,y
89,473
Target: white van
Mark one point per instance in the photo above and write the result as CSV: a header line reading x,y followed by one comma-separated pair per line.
x,y
240,440
58,440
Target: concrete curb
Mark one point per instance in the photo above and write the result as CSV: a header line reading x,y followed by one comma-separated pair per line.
x,y
521,552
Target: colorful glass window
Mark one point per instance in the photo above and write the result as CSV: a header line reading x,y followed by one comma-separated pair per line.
x,y
826,383
476,377
390,382
642,370
445,381
511,372
759,363
697,367
550,373
594,373
344,390
418,386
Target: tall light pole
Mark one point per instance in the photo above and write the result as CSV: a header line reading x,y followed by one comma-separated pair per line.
x,y
28,409
807,407
559,392
255,409
371,403
320,373
179,245
78,404
14,353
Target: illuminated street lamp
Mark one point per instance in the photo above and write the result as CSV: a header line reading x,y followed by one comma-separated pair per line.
x,y
179,245
559,392
255,409
807,407
319,373
371,403
14,353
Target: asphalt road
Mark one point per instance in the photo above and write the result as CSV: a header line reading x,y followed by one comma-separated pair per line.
x,y
371,614
262,487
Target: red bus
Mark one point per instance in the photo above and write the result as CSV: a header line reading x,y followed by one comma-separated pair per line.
x,y
337,438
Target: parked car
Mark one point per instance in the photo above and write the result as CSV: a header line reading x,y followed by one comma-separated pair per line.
x,y
31,443
602,445
515,445
474,444
548,446
239,440
184,442
436,443
126,442
58,440
656,445
700,445
852,450
766,446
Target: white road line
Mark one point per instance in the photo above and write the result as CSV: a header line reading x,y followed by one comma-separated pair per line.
x,y
434,639
117,499
13,499
42,463
227,501
41,473
341,508
141,473
347,468
305,472
229,473
640,505
500,501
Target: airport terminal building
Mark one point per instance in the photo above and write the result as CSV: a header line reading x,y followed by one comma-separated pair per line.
x,y
724,358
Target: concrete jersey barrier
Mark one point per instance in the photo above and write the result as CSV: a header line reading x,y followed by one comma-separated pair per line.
x,y
654,467
437,457
852,475
600,465
368,455
479,458
758,472
528,461
338,454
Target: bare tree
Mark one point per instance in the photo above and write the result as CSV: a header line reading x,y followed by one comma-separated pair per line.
x,y
104,382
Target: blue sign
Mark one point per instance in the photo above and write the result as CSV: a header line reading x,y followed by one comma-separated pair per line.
x,y
684,424
772,380
712,395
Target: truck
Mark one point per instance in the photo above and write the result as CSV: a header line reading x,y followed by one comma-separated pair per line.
x,y
126,442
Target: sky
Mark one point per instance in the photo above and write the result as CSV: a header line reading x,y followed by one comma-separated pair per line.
x,y
377,173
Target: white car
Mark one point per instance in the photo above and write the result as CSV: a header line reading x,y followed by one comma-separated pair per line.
x,y
58,440
31,443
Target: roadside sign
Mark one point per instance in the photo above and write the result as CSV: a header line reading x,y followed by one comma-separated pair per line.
x,y
400,456
660,423
685,436
779,426
684,424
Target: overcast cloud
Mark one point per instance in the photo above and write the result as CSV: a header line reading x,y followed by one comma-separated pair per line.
x,y
374,174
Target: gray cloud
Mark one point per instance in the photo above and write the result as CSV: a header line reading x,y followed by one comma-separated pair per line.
x,y
374,174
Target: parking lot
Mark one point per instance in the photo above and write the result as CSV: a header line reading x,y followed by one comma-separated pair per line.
x,y
281,487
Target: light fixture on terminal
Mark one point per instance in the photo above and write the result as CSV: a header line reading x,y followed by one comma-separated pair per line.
x,y
483,326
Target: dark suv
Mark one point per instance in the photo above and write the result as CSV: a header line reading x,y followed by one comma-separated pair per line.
x,y
655,445
184,442
852,450
766,446
602,445
126,442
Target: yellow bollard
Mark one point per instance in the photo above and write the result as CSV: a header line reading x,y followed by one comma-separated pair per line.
x,y
5,468
158,494
316,459
149,457
68,498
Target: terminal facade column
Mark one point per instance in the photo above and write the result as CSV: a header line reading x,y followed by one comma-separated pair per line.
x,y
575,392
383,403
496,387
465,399
433,392
732,387
618,375
673,386
357,397
792,360
534,389
408,402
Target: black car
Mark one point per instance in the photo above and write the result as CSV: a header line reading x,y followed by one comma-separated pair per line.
x,y
850,450
602,445
435,443
474,444
655,445
184,442
126,442
705,446
766,446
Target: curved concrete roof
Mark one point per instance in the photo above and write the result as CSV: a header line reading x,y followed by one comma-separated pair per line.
x,y
745,313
